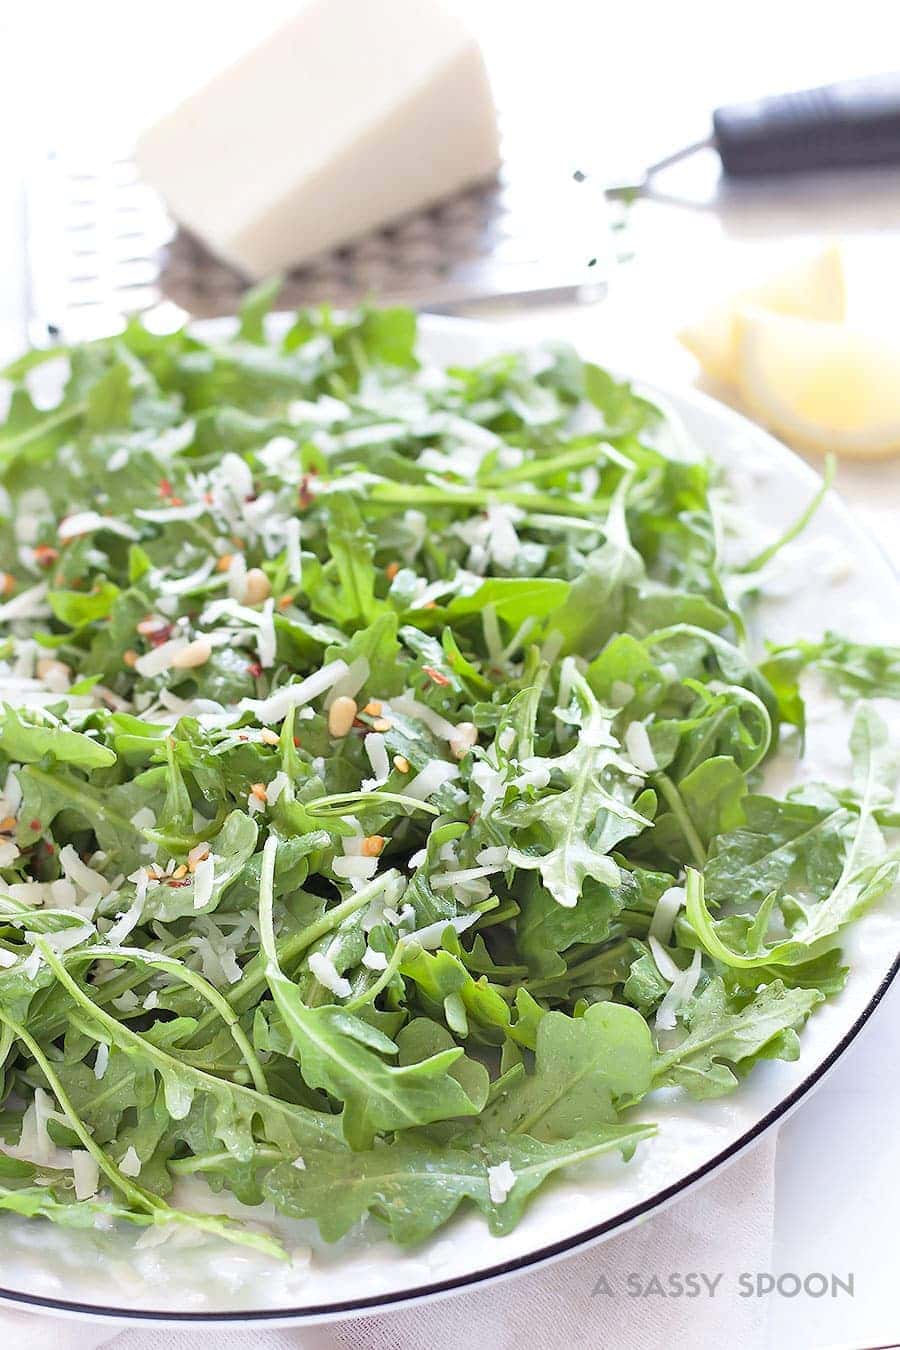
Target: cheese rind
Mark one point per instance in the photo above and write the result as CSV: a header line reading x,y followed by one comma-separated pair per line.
x,y
353,114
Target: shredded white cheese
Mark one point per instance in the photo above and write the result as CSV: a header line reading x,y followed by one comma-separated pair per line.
x,y
667,907
410,707
292,542
266,638
277,786
501,1180
27,605
84,877
276,708
668,969
640,751
431,935
204,879
130,1163
102,1061
8,852
355,869
326,973
444,880
237,577
432,777
87,522
86,1171
681,989
350,683
159,659
375,748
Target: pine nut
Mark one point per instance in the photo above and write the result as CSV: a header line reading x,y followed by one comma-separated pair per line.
x,y
341,715
48,667
269,737
224,562
196,856
401,764
257,587
372,845
196,653
258,790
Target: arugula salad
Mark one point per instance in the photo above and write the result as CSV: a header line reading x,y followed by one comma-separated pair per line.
x,y
381,753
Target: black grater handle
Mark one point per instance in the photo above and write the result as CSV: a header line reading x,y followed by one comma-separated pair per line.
x,y
853,123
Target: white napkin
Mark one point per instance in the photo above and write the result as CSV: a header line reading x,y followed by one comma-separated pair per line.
x,y
724,1227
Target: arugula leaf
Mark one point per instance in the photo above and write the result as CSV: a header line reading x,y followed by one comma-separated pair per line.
x,y
724,1038
587,818
596,606
415,1186
867,872
581,1065
342,1054
854,669
28,735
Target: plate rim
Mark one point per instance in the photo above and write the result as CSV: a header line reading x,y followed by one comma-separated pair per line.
x,y
335,1311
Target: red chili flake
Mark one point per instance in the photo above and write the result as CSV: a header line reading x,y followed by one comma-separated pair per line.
x,y
50,849
473,817
306,497
165,487
176,882
34,825
161,635
44,555
255,669
176,501
297,742
435,675
208,497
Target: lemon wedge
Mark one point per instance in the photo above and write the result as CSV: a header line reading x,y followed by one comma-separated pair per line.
x,y
821,386
814,288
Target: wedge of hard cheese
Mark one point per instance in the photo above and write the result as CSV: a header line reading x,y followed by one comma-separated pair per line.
x,y
352,114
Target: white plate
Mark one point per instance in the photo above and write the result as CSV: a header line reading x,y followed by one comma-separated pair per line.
x,y
839,580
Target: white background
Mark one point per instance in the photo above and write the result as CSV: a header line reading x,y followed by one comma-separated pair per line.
x,y
582,83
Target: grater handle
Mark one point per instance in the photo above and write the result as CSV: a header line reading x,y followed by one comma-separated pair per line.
x,y
853,123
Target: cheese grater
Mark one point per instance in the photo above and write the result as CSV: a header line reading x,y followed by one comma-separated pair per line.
x,y
101,247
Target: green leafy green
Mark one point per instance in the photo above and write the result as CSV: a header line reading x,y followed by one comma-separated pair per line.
x,y
387,779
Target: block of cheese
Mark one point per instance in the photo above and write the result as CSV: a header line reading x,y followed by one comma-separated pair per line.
x,y
350,115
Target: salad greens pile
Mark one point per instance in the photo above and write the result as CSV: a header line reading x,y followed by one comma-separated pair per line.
x,y
381,753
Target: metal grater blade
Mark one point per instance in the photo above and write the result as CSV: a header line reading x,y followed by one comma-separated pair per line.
x,y
101,247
